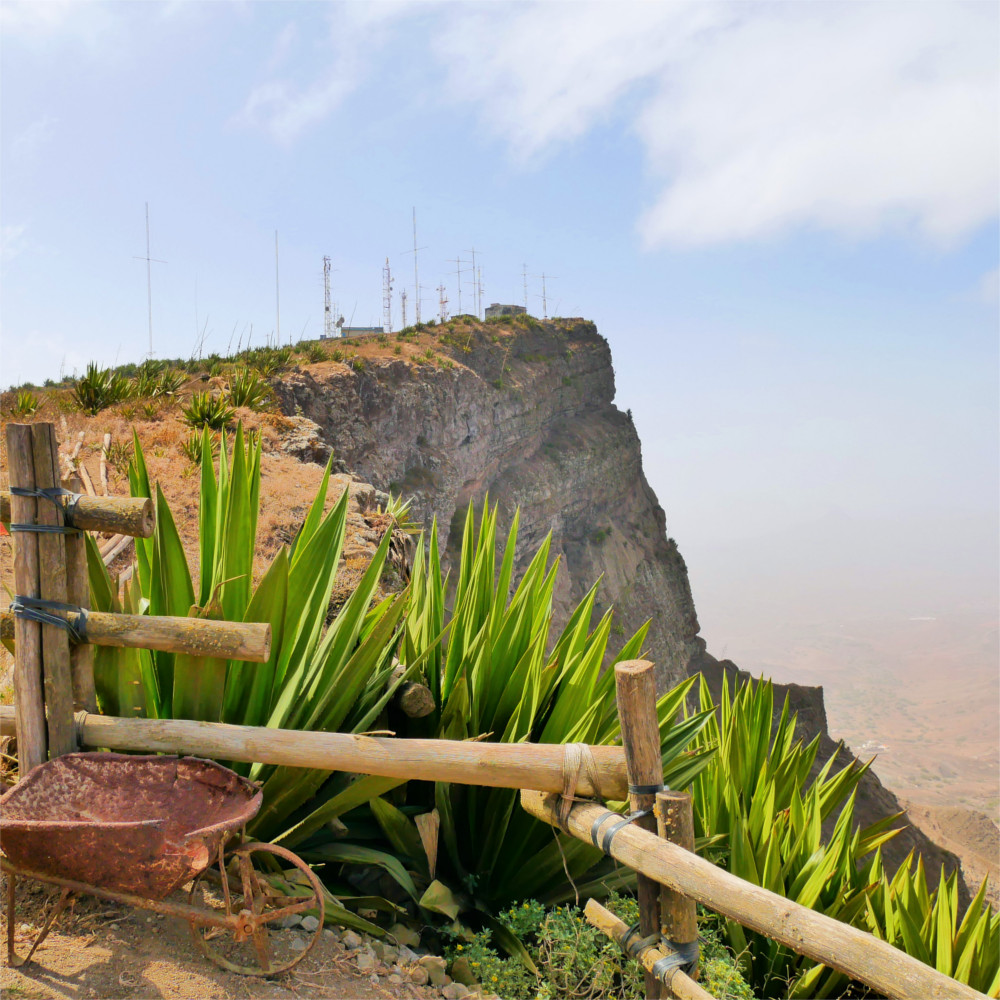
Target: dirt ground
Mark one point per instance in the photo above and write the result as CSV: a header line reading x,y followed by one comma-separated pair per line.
x,y
111,952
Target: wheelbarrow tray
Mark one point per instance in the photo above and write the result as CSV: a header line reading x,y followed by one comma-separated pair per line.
x,y
142,825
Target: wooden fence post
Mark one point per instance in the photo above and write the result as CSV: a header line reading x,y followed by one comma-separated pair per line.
x,y
635,688
678,913
28,690
52,584
81,654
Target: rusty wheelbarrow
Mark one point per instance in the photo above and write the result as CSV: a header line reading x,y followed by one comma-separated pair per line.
x,y
134,829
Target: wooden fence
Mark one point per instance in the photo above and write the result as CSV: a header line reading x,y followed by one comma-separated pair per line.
x,y
55,712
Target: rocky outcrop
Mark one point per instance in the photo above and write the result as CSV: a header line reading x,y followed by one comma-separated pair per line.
x,y
524,414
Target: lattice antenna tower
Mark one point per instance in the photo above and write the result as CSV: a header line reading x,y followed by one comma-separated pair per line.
x,y
387,297
479,292
442,303
402,305
328,320
149,280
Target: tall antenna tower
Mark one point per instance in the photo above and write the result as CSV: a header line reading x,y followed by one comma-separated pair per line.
x,y
458,280
277,296
328,327
442,304
149,280
387,298
402,304
479,292
545,301
524,274
476,289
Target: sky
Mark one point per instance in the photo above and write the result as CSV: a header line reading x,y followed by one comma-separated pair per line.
x,y
783,217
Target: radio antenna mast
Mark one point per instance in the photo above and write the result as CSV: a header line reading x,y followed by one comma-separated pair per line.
x,y
387,298
149,280
458,280
524,272
402,303
327,311
442,303
277,297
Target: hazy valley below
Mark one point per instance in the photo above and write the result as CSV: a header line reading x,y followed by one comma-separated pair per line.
x,y
919,694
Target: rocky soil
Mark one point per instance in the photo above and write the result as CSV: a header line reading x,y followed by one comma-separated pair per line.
x,y
112,952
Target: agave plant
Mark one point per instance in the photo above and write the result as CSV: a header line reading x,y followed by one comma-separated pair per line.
x,y
763,817
100,388
924,923
206,410
496,674
338,679
247,388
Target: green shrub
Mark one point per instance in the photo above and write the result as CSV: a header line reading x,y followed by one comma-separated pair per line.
x,y
206,410
100,388
27,404
247,388
316,353
358,364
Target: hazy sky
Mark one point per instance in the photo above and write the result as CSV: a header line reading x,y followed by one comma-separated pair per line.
x,y
782,216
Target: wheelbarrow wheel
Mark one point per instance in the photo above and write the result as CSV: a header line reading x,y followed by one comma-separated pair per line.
x,y
254,892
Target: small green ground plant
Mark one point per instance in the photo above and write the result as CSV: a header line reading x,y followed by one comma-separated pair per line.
x,y
208,411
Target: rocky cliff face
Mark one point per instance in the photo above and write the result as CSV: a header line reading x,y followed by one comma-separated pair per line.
x,y
525,414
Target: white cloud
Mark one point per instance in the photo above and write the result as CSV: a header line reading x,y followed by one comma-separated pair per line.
x,y
854,118
11,242
36,134
285,108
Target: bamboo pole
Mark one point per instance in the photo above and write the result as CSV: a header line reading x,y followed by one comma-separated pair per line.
x,y
678,914
635,688
110,515
58,678
815,935
677,982
32,740
81,654
249,641
497,765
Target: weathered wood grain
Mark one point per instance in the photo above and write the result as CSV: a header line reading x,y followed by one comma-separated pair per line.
x,y
635,687
497,765
29,697
56,673
110,515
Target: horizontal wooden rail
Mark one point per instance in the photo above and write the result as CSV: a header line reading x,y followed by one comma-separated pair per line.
x,y
195,636
113,515
499,765
678,982
840,946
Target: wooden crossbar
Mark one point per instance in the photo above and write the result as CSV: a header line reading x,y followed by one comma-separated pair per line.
x,y
499,765
111,515
815,935
250,641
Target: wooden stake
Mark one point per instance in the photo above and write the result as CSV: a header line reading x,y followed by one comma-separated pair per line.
x,y
678,914
81,654
676,981
815,935
636,692
32,740
110,515
496,765
52,582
